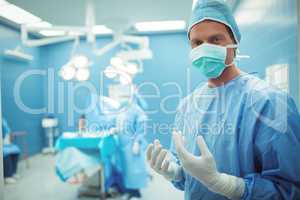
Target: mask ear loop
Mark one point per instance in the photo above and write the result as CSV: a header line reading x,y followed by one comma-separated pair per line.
x,y
232,46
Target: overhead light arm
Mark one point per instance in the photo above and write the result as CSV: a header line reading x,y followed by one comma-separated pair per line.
x,y
142,42
107,48
135,54
90,21
44,41
18,54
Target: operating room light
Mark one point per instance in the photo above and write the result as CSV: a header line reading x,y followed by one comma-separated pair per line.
x,y
132,68
77,68
80,61
116,61
110,72
82,74
17,14
125,79
160,26
120,68
68,72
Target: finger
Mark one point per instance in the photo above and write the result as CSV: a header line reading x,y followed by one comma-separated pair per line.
x,y
161,157
202,146
156,142
181,151
155,153
149,151
184,141
165,166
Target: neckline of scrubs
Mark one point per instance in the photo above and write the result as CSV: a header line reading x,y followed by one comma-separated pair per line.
x,y
226,85
216,92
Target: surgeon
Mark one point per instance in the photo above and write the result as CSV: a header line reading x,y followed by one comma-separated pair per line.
x,y
131,127
235,137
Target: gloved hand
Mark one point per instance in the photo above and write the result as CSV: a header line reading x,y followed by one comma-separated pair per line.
x,y
204,169
136,148
159,160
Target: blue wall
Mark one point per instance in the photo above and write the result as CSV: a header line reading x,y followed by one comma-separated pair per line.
x,y
31,90
272,38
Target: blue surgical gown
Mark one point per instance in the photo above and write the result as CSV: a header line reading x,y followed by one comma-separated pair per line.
x,y
131,123
102,116
253,132
8,149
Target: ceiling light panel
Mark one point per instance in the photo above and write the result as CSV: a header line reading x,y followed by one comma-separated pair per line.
x,y
160,26
42,24
17,14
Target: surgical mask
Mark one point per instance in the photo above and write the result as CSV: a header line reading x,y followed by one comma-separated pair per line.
x,y
210,59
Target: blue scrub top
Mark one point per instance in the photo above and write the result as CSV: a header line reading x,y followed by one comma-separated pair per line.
x,y
253,132
8,149
132,124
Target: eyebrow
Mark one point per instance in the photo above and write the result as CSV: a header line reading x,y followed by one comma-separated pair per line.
x,y
217,35
195,40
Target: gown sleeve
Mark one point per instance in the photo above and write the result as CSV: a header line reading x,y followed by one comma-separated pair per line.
x,y
276,144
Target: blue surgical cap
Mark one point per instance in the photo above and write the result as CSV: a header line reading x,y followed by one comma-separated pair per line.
x,y
215,10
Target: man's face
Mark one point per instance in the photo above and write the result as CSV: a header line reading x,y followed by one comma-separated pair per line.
x,y
213,33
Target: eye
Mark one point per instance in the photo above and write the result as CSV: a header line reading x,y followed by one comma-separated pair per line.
x,y
216,39
199,43
196,43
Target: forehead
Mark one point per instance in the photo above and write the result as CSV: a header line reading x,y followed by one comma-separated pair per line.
x,y
208,28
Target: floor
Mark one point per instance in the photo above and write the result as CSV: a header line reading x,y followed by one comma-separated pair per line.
x,y
40,182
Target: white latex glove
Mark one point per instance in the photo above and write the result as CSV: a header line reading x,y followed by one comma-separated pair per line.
x,y
159,160
136,148
204,169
